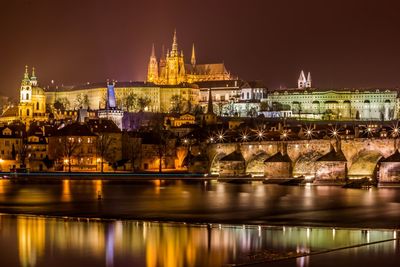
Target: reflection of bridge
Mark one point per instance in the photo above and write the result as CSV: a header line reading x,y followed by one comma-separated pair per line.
x,y
362,154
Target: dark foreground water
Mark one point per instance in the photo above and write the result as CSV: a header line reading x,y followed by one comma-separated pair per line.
x,y
227,224
38,241
206,202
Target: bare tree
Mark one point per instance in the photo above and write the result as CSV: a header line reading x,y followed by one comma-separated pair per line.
x,y
67,148
134,151
23,152
104,148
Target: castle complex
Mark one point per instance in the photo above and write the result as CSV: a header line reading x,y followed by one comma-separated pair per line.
x,y
170,79
171,69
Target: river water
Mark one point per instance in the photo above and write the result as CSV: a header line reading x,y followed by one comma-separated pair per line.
x,y
200,224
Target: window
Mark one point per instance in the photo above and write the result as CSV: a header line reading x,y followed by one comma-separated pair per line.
x,y
37,105
27,96
27,112
248,95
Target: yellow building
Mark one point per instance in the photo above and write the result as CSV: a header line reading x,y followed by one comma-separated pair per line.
x,y
10,145
93,96
171,69
32,102
179,120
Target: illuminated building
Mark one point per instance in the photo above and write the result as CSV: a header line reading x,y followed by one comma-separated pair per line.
x,y
234,97
73,147
37,148
32,102
326,104
159,96
179,120
171,69
10,145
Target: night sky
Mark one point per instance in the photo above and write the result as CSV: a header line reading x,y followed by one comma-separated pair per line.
x,y
343,43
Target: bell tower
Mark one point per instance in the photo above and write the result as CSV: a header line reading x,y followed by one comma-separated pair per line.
x,y
25,108
32,99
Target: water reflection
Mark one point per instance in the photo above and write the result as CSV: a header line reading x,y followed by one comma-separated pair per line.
x,y
31,240
43,241
66,191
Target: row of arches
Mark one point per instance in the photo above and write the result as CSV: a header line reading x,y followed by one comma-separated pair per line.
x,y
363,164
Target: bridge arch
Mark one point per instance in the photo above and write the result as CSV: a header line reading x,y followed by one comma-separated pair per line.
x,y
364,164
255,164
214,165
306,164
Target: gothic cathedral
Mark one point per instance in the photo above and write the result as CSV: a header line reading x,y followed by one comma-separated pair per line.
x,y
172,70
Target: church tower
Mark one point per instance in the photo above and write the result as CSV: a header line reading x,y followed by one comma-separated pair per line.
x,y
301,82
26,88
175,66
210,118
32,100
152,71
308,82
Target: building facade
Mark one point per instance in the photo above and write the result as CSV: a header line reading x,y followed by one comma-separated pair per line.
x,y
93,96
340,104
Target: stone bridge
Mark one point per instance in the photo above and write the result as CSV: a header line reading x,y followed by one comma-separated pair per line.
x,y
362,154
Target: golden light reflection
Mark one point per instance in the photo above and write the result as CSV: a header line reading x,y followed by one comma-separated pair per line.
x,y
31,240
98,186
2,190
2,186
66,191
157,184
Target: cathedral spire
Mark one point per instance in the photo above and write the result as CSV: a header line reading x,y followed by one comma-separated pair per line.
x,y
152,71
193,59
308,82
174,50
162,52
153,51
